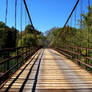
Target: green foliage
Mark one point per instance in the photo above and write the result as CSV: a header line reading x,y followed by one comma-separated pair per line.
x,y
27,39
7,36
29,29
87,18
73,36
31,37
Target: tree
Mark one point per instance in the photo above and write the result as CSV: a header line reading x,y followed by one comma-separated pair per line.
x,y
26,40
7,36
31,37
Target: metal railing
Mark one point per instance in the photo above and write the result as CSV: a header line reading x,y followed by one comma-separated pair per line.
x,y
13,58
75,34
81,55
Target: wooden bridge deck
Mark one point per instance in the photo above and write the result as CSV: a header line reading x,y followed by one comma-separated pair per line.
x,y
49,71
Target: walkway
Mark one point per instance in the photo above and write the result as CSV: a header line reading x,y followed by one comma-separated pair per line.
x,y
49,71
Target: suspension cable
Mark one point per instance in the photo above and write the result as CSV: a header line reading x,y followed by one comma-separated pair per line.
x,y
15,18
25,17
28,12
88,25
58,35
21,21
15,12
75,16
6,12
81,12
89,6
71,20
71,41
72,12
25,26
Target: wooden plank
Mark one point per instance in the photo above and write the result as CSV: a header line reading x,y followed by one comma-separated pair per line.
x,y
57,74
18,83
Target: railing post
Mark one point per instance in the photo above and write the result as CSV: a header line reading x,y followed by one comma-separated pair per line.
x,y
23,55
86,57
78,55
26,51
17,58
72,52
29,50
8,65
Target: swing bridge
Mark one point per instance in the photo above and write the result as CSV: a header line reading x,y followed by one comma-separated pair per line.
x,y
53,69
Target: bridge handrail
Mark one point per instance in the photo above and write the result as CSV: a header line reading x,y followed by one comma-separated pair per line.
x,y
70,54
19,58
10,49
12,57
79,47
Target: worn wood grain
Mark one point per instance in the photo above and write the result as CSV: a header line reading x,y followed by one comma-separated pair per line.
x,y
56,74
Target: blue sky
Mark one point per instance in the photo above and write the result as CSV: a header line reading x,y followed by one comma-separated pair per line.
x,y
45,14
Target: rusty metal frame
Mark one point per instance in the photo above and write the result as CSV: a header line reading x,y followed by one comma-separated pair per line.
x,y
10,70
